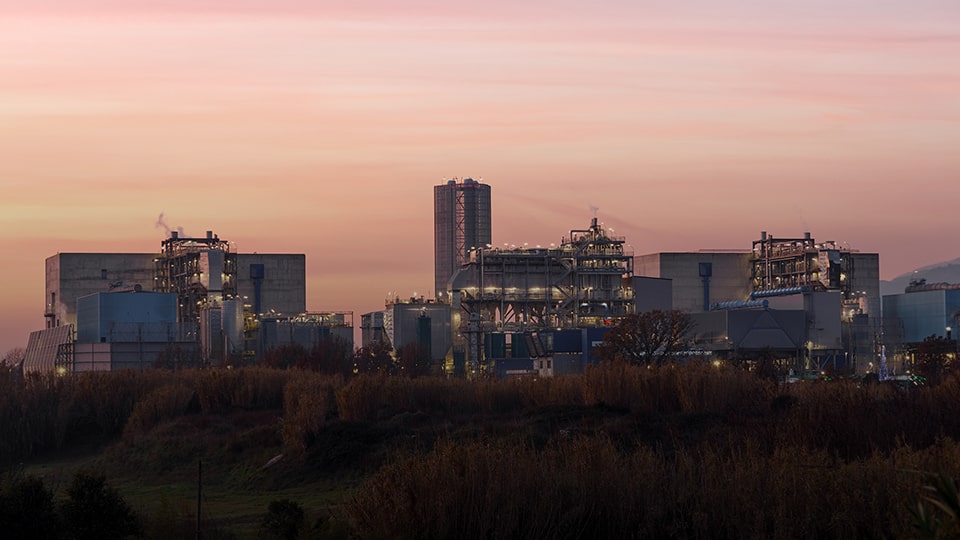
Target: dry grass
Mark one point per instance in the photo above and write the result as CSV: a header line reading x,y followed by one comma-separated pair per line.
x,y
725,454
590,488
309,402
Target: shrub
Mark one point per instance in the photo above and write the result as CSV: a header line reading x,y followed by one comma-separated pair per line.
x,y
94,510
308,403
164,403
26,508
283,520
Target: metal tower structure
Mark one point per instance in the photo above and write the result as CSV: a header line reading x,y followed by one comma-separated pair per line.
x,y
202,271
584,282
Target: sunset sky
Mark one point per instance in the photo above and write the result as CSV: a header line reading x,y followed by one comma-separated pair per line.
x,y
320,127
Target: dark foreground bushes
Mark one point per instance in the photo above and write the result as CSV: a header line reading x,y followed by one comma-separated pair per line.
x,y
92,510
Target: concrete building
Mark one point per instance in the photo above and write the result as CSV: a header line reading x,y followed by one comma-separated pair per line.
x,y
652,293
788,274
69,276
461,222
747,332
798,327
213,284
922,311
408,321
699,279
273,283
306,330
783,263
371,328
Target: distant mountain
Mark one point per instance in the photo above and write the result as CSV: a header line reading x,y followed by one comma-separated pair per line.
x,y
943,272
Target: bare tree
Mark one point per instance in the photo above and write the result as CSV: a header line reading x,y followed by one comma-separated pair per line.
x,y
13,359
652,337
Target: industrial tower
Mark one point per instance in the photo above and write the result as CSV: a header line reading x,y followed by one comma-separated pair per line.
x,y
461,222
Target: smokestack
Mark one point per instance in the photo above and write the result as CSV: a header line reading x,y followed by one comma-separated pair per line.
x,y
763,235
209,235
806,236
174,234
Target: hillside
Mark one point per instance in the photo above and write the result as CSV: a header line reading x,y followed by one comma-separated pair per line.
x,y
943,272
679,451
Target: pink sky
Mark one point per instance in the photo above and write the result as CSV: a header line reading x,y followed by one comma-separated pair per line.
x,y
321,127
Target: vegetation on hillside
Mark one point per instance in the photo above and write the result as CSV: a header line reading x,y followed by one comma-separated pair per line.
x,y
624,450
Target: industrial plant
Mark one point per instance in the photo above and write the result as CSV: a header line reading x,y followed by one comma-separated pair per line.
x,y
195,302
585,282
807,305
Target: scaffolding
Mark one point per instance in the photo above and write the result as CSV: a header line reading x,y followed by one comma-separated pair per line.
x,y
780,263
202,271
584,282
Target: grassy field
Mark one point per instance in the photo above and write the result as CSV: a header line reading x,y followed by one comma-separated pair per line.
x,y
158,474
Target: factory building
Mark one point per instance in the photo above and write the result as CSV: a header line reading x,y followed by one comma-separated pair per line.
x,y
799,327
416,320
131,329
461,222
70,276
699,279
921,311
837,288
780,263
219,291
652,294
785,263
272,284
544,354
280,280
307,330
584,282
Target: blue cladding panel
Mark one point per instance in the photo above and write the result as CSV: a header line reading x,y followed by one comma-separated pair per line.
x,y
567,364
508,367
567,341
519,347
495,345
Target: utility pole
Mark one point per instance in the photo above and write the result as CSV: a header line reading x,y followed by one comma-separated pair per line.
x,y
199,494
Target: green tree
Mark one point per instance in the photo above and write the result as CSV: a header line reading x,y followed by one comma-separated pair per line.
x,y
652,337
95,511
